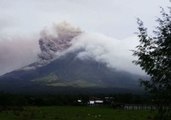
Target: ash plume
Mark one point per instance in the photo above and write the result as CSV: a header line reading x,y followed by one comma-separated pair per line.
x,y
52,43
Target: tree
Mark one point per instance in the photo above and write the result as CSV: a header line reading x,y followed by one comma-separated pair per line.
x,y
154,57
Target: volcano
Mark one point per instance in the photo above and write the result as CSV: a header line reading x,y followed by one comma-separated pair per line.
x,y
68,72
73,61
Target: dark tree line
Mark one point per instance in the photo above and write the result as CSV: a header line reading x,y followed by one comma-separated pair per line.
x,y
7,99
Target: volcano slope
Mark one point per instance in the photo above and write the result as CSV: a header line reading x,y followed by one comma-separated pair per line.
x,y
69,74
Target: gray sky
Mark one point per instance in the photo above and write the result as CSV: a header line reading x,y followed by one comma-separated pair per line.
x,y
115,18
22,20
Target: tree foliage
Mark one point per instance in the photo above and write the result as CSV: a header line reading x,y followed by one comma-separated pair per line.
x,y
154,57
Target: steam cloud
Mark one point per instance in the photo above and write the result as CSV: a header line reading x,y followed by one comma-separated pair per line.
x,y
66,38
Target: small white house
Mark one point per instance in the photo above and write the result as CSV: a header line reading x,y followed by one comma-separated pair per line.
x,y
79,101
95,102
91,102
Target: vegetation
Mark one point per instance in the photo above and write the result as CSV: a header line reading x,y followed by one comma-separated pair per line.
x,y
154,57
66,107
74,113
7,99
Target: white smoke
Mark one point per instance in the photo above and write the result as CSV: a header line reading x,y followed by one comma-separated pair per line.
x,y
115,53
66,38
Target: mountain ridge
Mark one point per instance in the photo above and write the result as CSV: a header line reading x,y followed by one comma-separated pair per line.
x,y
70,71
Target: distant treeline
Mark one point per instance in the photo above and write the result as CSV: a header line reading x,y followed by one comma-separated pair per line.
x,y
7,99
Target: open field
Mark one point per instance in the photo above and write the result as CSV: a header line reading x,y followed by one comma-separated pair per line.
x,y
75,113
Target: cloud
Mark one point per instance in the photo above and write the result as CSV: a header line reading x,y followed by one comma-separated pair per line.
x,y
114,52
116,18
16,52
67,38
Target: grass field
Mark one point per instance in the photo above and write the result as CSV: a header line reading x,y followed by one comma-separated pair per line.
x,y
74,113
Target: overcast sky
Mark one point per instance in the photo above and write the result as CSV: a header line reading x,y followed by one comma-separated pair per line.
x,y
22,20
115,18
